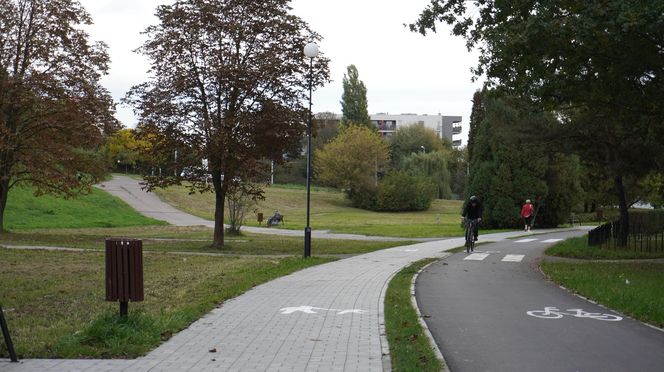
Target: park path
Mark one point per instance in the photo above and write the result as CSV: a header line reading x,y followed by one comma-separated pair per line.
x,y
324,318
149,204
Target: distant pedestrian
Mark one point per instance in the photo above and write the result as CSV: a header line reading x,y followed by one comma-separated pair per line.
x,y
527,214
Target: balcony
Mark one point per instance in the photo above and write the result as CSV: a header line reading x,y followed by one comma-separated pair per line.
x,y
456,127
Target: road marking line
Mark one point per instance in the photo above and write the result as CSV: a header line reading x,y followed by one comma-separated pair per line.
x,y
513,258
525,240
477,256
551,241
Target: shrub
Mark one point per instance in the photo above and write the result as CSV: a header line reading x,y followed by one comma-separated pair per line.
x,y
400,191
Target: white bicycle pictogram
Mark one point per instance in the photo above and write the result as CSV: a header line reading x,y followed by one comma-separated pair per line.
x,y
555,313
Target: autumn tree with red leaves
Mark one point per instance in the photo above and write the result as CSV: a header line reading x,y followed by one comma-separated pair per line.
x,y
227,87
54,112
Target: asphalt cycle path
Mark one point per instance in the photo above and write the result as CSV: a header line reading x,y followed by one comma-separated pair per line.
x,y
492,310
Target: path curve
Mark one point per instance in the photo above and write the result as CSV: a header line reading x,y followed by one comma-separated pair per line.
x,y
328,318
149,204
486,311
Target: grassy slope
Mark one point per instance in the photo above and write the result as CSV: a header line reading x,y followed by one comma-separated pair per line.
x,y
55,304
99,209
330,210
631,288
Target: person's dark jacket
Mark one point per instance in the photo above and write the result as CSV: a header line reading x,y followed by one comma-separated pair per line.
x,y
472,212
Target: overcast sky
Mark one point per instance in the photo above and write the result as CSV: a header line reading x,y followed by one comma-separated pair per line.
x,y
404,72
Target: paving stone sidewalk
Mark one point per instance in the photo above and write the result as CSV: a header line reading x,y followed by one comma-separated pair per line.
x,y
324,318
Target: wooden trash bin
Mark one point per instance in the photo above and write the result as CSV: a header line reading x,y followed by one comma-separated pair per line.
x,y
124,271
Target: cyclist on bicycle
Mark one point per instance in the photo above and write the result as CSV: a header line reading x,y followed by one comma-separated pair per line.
x,y
473,211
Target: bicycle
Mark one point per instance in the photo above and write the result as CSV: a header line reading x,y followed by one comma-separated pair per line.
x,y
470,235
555,313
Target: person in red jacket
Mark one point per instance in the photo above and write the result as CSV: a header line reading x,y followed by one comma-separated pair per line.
x,y
527,214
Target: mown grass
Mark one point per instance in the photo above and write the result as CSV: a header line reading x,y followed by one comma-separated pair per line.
x,y
190,239
633,288
54,301
579,248
410,349
98,209
330,210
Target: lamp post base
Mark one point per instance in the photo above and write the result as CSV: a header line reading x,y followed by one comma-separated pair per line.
x,y
307,242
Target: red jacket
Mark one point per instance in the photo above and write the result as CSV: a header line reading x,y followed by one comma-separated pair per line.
x,y
527,210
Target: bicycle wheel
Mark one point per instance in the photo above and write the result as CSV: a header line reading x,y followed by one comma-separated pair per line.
x,y
607,317
469,239
544,314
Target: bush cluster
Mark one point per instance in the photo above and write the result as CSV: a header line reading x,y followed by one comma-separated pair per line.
x,y
396,192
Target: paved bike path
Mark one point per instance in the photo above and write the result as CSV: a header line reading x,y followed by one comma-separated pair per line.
x,y
477,310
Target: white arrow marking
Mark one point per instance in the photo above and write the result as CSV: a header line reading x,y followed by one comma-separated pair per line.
x,y
310,310
352,311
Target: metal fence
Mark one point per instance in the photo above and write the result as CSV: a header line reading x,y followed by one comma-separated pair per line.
x,y
644,235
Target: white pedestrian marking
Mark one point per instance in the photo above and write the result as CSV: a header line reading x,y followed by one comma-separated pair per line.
x,y
513,257
525,240
477,256
304,309
551,240
310,310
551,312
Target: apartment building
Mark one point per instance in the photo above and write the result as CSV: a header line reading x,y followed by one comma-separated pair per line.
x,y
448,127
445,126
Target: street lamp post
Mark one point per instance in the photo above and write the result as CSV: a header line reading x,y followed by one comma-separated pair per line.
x,y
311,51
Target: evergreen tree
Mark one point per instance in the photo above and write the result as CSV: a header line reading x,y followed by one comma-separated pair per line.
x,y
354,106
505,169
476,117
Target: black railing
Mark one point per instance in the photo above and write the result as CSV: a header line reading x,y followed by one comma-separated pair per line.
x,y
644,235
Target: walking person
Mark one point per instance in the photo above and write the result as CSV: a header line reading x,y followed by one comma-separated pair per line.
x,y
527,214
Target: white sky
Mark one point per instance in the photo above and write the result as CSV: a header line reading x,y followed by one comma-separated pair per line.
x,y
404,72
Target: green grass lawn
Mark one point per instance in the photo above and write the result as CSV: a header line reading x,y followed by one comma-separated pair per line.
x,y
54,303
632,288
189,239
410,350
98,209
330,210
579,248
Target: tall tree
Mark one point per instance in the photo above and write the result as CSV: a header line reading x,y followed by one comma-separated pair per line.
x,y
415,138
352,160
53,109
432,166
228,78
598,64
476,117
505,170
354,106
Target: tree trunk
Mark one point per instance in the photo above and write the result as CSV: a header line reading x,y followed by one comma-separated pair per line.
x,y
623,232
4,192
220,204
